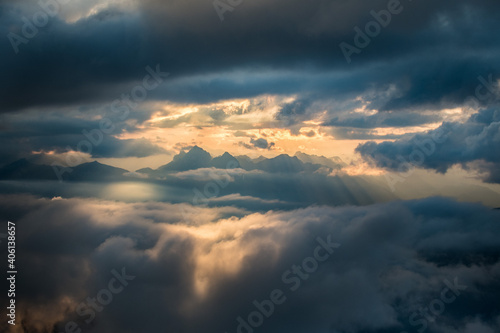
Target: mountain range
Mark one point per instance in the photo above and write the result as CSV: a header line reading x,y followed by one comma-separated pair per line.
x,y
195,158
295,180
93,171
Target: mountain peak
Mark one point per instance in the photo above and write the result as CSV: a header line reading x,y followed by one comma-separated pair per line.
x,y
195,158
198,150
333,163
225,161
195,147
195,150
21,161
282,163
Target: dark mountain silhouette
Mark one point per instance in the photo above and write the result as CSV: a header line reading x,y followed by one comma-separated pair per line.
x,y
259,159
198,158
334,162
94,171
23,169
146,171
245,162
282,163
225,161
194,159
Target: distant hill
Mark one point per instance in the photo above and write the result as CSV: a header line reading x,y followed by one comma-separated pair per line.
x,y
94,171
23,169
289,164
335,162
259,159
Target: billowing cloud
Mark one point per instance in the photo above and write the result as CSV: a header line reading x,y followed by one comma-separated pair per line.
x,y
63,131
255,51
474,144
202,271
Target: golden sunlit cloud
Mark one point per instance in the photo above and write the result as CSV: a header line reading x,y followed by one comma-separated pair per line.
x,y
359,168
130,191
174,126
82,9
252,127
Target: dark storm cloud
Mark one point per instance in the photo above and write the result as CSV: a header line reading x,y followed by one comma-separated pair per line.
x,y
27,132
64,129
261,143
412,83
71,63
440,48
474,144
400,119
292,113
349,133
355,126
198,275
16,148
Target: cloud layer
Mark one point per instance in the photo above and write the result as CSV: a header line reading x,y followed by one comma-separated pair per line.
x,y
277,47
474,144
204,271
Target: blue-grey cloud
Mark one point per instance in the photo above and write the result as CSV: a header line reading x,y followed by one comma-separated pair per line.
x,y
473,145
60,132
193,274
383,119
432,52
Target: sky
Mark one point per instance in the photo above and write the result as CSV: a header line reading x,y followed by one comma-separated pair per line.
x,y
229,136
